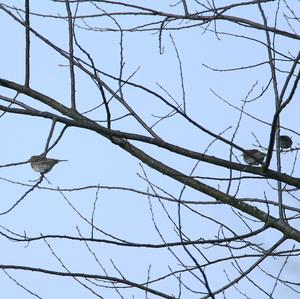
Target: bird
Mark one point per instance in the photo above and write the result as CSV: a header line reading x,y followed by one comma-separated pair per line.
x,y
285,141
253,156
42,164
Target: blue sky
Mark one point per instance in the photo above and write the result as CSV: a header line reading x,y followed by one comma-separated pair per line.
x,y
93,160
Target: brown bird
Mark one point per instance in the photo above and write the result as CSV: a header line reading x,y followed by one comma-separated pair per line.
x,y
42,164
285,141
253,156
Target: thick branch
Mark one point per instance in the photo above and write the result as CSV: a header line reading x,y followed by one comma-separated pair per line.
x,y
81,121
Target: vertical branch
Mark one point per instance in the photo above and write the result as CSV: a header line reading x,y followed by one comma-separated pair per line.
x,y
71,53
275,86
98,83
93,213
275,131
181,74
186,12
289,77
27,44
58,138
278,150
49,137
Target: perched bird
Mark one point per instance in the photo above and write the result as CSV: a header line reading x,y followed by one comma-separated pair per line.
x,y
253,156
285,141
42,164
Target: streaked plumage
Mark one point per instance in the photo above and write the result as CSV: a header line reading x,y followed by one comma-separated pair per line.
x,y
285,141
253,156
42,164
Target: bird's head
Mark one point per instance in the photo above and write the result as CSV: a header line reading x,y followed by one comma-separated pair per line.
x,y
35,159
